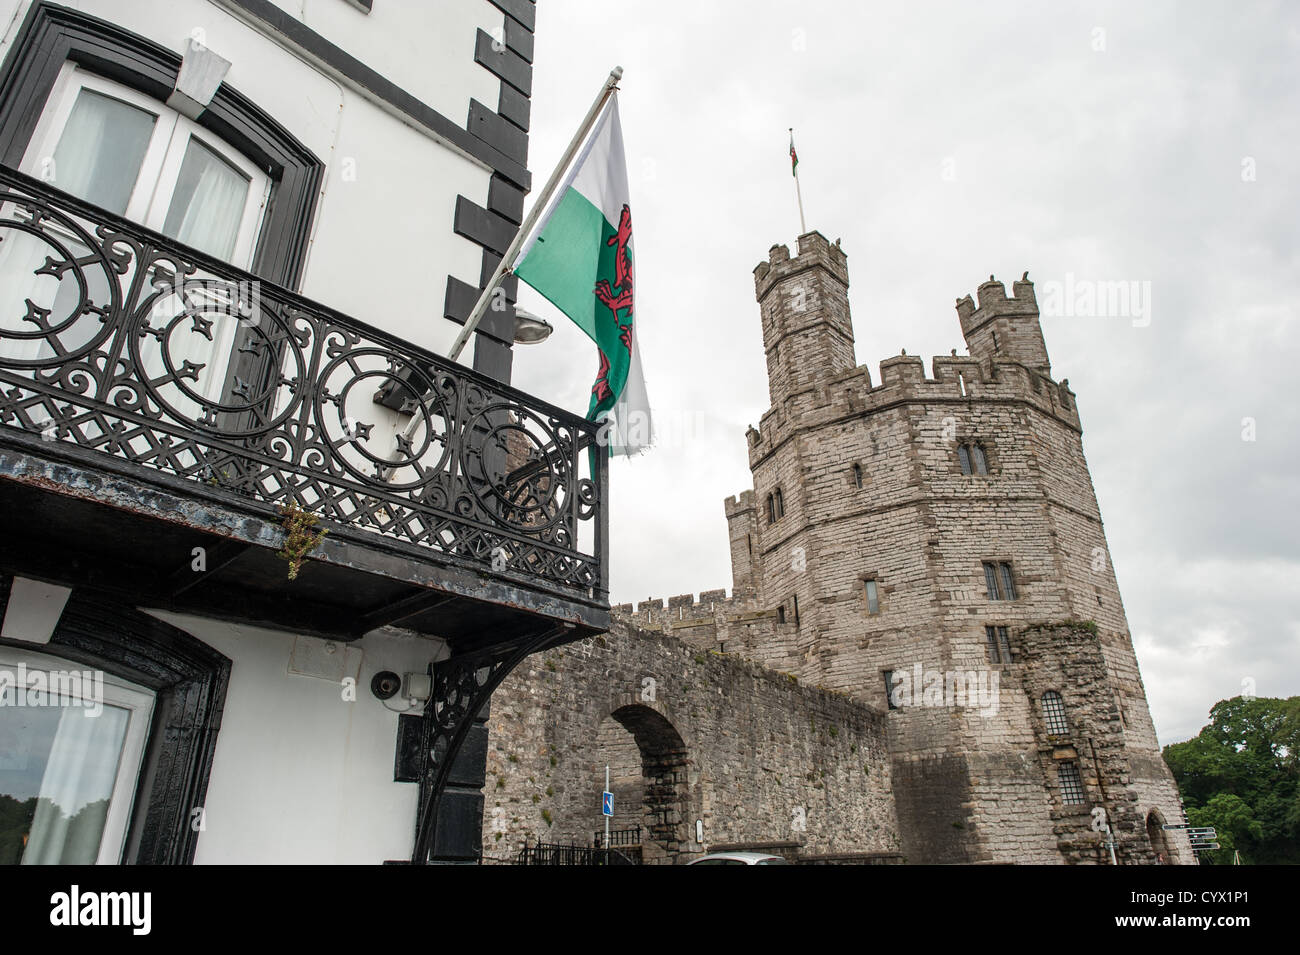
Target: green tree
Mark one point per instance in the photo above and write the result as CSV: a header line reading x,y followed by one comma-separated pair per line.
x,y
1240,774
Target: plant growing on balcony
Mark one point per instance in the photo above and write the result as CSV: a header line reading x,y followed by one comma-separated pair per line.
x,y
300,538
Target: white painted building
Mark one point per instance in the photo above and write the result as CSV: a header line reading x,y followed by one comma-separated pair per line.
x,y
234,236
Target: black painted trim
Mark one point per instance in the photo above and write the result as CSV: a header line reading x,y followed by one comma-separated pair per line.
x,y
189,679
480,225
503,63
515,106
52,34
296,33
519,38
523,11
506,199
501,134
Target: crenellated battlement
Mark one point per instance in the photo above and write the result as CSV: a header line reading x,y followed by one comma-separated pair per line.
x,y
993,303
814,250
738,504
954,378
1004,329
656,612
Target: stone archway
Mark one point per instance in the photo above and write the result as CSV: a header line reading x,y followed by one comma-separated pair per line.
x,y
1159,839
648,763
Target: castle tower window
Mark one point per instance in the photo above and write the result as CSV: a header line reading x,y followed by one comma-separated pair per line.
x,y
796,609
857,475
780,504
1071,784
999,580
999,645
771,508
873,597
972,459
889,689
1054,714
780,614
1008,582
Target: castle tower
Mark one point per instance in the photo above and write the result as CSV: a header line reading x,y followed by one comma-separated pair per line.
x,y
1005,329
807,332
945,528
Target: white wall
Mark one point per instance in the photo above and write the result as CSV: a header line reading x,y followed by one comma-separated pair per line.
x,y
382,243
424,46
299,775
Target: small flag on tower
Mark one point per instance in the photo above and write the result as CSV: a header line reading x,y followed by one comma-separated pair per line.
x,y
794,157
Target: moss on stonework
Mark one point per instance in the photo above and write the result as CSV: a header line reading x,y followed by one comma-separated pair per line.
x,y
1072,624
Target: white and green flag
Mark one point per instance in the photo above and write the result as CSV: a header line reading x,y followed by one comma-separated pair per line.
x,y
580,257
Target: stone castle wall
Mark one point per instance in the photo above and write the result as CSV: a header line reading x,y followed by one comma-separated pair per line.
x,y
689,734
855,482
872,489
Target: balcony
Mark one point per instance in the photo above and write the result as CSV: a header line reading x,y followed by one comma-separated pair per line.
x,y
161,412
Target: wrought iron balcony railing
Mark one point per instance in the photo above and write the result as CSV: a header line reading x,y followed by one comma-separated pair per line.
x,y
125,349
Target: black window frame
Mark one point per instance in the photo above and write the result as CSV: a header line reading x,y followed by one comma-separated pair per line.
x,y
52,35
998,642
1000,580
189,680
1055,719
1073,785
973,459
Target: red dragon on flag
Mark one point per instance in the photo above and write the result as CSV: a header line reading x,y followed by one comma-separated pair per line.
x,y
617,298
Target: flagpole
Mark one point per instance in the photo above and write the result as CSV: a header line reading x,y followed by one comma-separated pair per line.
x,y
803,226
507,260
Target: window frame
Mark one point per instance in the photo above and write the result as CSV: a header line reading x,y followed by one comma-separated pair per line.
x,y
53,35
1075,784
139,702
155,184
1055,720
997,640
1000,580
189,679
870,584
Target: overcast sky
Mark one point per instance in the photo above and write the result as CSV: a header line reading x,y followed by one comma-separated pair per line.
x,y
1150,143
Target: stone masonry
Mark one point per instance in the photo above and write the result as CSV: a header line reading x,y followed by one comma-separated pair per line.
x,y
940,533
690,735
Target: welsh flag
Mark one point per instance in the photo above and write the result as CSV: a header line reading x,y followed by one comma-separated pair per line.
x,y
580,258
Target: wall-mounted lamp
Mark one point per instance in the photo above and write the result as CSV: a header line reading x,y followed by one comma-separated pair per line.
x,y
530,328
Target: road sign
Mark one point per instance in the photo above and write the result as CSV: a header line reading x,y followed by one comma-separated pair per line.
x,y
1200,847
607,803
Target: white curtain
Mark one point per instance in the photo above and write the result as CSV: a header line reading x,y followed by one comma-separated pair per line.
x,y
100,152
206,208
98,158
208,203
73,802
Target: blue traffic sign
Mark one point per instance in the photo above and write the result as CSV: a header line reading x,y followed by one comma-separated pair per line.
x,y
607,804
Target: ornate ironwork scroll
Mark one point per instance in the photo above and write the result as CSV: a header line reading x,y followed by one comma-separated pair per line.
x,y
461,685
117,340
